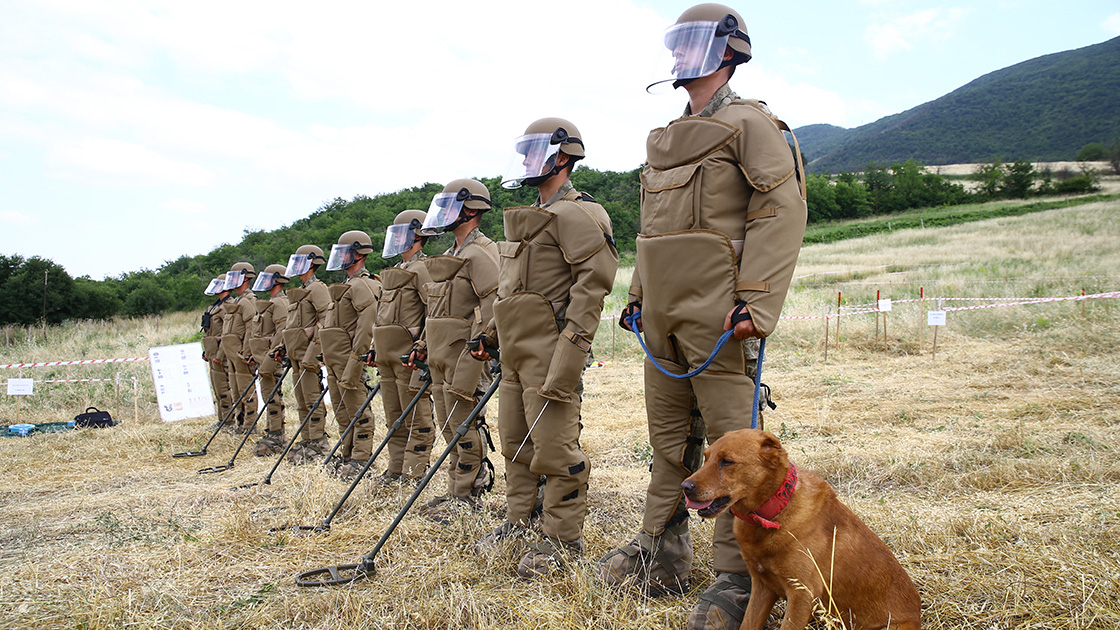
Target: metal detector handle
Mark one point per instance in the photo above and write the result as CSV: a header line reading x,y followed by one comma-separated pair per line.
x,y
479,343
425,371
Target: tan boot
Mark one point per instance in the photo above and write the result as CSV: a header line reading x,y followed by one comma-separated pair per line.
x,y
722,605
657,566
548,556
271,444
504,534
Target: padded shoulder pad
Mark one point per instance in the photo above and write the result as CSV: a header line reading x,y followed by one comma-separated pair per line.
x,y
320,296
364,292
582,229
338,290
763,152
483,256
687,140
297,294
262,305
248,308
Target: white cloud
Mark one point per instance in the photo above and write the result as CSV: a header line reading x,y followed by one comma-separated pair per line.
x,y
902,33
121,163
11,217
1112,24
182,206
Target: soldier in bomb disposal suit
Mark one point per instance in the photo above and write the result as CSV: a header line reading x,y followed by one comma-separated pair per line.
x,y
211,345
239,314
557,266
347,337
400,322
460,302
307,305
266,331
722,190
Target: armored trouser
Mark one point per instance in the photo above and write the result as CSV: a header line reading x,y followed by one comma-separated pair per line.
x,y
308,383
219,380
240,376
269,376
410,447
457,383
346,380
539,436
683,318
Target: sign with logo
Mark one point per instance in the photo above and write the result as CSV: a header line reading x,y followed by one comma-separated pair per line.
x,y
181,381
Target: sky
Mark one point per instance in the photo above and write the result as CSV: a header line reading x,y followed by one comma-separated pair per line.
x,y
133,132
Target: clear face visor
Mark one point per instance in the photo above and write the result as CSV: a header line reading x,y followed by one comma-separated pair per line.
x,y
298,264
342,256
234,279
690,50
534,155
445,209
216,286
399,238
265,281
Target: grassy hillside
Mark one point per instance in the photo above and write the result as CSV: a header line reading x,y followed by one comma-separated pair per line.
x,y
1046,108
990,470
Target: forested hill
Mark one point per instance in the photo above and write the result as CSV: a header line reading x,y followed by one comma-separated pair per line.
x,y
1045,109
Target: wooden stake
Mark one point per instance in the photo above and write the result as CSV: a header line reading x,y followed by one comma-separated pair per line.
x,y
827,314
118,388
838,320
135,402
921,320
876,316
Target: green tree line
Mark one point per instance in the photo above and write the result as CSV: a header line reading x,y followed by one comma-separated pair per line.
x,y
178,284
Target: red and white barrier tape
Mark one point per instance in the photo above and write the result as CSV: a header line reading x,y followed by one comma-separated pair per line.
x,y
1073,298
84,362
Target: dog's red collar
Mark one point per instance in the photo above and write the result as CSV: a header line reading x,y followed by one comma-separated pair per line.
x,y
766,513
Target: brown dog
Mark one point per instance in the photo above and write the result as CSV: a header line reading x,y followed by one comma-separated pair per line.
x,y
787,521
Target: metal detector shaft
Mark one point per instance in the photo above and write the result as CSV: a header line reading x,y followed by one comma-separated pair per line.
x,y
249,431
222,423
295,436
326,524
367,560
349,573
353,421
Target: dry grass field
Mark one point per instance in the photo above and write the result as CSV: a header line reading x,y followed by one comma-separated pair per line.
x,y
991,469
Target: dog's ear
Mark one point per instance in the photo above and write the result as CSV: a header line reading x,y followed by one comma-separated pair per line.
x,y
771,451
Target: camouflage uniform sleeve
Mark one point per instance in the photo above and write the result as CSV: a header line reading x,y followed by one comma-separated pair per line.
x,y
776,216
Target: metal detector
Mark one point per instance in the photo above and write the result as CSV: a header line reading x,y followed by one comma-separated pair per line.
x,y
350,427
348,573
249,431
307,418
221,424
325,526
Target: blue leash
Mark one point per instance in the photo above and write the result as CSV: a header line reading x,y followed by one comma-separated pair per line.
x,y
631,322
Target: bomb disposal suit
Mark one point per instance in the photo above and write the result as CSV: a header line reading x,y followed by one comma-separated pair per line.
x,y
239,314
211,345
347,335
557,265
400,322
307,306
722,218
265,332
460,302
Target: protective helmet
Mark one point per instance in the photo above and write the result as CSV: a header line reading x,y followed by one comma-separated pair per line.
x,y
695,44
445,212
400,236
534,159
270,277
350,245
217,285
239,274
301,261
